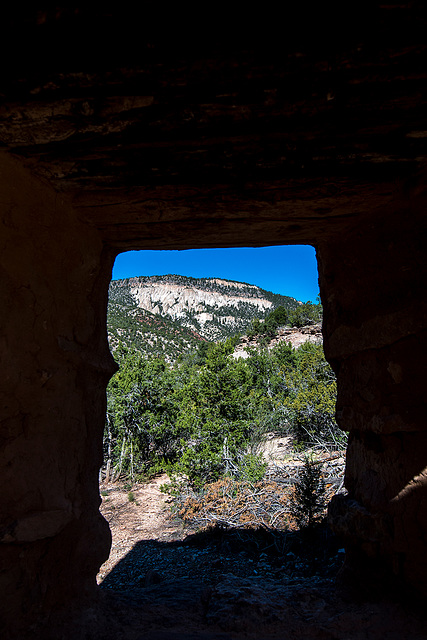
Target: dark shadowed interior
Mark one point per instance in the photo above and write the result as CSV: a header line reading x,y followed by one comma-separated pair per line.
x,y
122,133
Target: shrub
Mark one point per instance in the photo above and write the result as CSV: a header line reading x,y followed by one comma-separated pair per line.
x,y
308,500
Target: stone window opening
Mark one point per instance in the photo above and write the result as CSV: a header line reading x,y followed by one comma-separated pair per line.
x,y
132,495
58,365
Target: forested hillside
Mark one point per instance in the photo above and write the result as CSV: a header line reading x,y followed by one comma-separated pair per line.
x,y
198,410
149,333
201,410
167,315
205,416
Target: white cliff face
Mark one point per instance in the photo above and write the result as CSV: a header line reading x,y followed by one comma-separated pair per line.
x,y
201,308
145,309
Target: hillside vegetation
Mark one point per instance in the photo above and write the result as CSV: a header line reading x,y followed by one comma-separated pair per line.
x,y
149,333
168,315
205,416
198,411
201,411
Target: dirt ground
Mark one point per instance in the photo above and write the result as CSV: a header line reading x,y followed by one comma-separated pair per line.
x,y
162,583
145,516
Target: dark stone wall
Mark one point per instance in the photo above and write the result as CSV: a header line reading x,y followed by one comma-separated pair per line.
x,y
373,283
55,366
55,274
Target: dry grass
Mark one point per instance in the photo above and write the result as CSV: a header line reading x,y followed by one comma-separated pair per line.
x,y
230,503
267,503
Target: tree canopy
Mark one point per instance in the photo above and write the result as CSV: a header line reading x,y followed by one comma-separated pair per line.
x,y
205,415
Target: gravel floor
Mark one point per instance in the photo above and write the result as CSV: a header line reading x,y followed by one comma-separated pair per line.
x,y
162,584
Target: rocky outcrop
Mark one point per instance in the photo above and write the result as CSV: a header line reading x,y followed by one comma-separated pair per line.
x,y
290,335
190,305
212,307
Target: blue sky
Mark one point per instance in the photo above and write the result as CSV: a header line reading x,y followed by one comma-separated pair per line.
x,y
289,270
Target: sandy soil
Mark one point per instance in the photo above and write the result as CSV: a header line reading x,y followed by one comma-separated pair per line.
x,y
147,516
158,586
